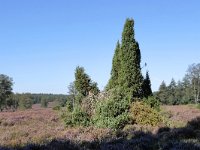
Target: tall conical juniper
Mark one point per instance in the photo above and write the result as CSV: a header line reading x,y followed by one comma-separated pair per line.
x,y
126,70
116,66
130,77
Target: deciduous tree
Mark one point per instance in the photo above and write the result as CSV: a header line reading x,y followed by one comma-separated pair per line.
x,y
6,84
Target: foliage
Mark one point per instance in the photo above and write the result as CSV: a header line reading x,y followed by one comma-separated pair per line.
x,y
126,70
82,81
69,106
44,103
6,84
143,114
153,102
25,102
182,92
161,94
78,99
174,93
11,102
130,74
193,74
76,118
94,88
147,86
59,99
116,67
112,112
72,96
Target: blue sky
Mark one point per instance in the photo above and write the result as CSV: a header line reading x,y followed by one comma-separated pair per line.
x,y
42,42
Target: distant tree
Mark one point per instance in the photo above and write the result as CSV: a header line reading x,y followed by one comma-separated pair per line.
x,y
130,77
44,103
176,93
162,93
187,90
10,102
82,81
193,74
179,92
25,102
94,88
147,86
72,91
116,67
6,84
171,92
84,84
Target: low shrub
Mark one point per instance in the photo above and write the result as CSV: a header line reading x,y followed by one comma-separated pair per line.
x,y
25,103
76,118
143,114
56,108
112,112
153,102
69,106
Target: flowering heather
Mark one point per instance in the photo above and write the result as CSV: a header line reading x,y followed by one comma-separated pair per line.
x,y
40,128
31,126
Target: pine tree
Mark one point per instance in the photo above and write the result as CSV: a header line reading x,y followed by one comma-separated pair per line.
x,y
116,63
147,86
82,81
163,93
130,77
94,88
179,92
44,103
171,92
84,84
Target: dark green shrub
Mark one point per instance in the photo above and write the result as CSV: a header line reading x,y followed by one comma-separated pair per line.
x,y
76,118
69,106
44,103
143,114
78,99
112,112
56,107
153,102
25,103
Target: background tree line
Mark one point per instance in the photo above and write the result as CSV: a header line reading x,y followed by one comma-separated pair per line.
x,y
183,91
13,101
25,100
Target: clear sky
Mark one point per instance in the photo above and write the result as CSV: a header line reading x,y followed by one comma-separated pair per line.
x,y
42,41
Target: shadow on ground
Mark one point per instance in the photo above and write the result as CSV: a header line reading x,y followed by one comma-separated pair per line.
x,y
186,138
